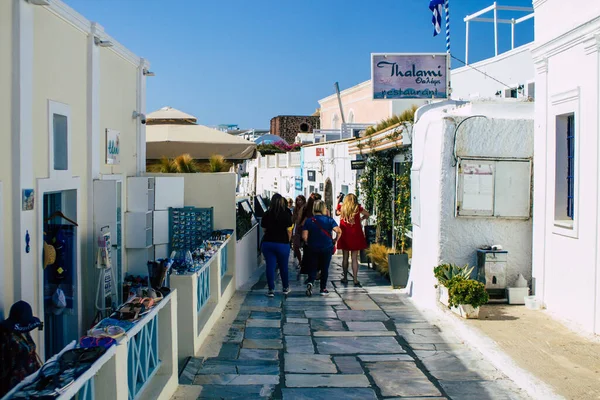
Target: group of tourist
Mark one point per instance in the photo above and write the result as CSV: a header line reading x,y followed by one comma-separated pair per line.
x,y
314,236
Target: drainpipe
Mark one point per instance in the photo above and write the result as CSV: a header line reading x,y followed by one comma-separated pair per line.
x,y
141,108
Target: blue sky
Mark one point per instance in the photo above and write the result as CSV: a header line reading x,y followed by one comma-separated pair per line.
x,y
244,62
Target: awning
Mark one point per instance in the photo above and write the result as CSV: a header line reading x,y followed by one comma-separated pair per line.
x,y
199,141
393,137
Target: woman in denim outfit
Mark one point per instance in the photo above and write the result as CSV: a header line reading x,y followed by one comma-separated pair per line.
x,y
277,224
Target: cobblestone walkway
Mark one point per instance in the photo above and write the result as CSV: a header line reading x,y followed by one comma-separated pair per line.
x,y
357,343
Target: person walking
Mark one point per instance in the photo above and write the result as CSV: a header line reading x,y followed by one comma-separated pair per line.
x,y
353,238
307,212
297,234
317,233
277,226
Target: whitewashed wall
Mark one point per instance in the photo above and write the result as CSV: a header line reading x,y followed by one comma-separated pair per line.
x,y
441,237
513,68
334,164
567,63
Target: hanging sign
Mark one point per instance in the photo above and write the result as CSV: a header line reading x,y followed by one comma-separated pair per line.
x,y
410,76
113,147
311,176
298,185
358,164
320,151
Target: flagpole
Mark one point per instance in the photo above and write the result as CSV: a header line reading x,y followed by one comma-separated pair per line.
x,y
447,6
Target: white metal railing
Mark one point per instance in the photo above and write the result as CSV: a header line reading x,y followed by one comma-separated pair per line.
x,y
282,160
295,159
495,8
347,131
271,161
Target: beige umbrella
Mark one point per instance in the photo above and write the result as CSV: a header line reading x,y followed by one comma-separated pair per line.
x,y
201,142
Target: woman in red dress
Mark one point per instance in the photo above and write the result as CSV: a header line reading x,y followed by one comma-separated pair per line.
x,y
353,239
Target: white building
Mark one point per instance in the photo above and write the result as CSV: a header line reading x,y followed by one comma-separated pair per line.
x,y
69,92
326,170
471,187
566,205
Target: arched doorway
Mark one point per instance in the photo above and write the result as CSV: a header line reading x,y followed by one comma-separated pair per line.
x,y
328,195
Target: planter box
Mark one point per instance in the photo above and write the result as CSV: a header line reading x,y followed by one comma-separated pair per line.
x,y
443,295
398,270
517,295
466,311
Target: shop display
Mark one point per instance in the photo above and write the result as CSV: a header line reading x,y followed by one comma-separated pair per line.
x,y
191,261
189,226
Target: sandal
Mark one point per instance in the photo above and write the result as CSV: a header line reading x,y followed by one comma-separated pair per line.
x,y
129,311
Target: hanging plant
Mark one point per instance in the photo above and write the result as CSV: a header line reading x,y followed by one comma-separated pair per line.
x,y
402,211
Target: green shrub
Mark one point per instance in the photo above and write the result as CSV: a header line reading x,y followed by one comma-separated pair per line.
x,y
445,272
467,291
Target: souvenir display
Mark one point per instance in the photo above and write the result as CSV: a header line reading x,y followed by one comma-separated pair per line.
x,y
189,226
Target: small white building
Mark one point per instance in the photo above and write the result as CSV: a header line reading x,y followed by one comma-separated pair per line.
x,y
566,234
326,169
470,187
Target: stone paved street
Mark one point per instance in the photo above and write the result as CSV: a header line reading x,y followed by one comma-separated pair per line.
x,y
356,343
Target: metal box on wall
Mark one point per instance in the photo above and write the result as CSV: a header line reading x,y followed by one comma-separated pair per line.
x,y
491,270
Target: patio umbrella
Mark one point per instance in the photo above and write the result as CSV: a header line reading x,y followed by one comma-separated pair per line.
x,y
201,142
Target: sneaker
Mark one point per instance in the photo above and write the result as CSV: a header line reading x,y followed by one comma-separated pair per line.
x,y
309,289
271,294
287,290
324,292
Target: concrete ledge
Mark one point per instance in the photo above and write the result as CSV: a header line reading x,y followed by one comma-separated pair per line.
x,y
475,339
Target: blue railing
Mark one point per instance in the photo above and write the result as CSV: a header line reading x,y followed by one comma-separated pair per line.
x,y
203,287
142,357
224,260
87,391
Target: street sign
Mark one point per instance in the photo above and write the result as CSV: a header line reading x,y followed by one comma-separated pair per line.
x,y
358,164
320,152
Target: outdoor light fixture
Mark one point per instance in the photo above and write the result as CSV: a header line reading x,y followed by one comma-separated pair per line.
x,y
101,43
498,93
39,2
147,73
139,115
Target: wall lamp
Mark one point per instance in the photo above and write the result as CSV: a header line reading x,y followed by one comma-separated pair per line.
x,y
139,115
102,43
147,72
39,2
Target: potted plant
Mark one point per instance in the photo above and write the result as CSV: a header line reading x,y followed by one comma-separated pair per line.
x,y
466,296
444,274
398,261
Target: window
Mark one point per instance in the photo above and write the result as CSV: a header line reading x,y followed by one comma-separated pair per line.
x,y
61,159
59,140
334,122
511,93
304,127
564,199
531,90
351,117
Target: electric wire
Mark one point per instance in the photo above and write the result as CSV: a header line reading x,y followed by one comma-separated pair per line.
x,y
481,72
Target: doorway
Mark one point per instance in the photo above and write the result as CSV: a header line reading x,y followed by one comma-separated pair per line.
x,y
60,271
328,195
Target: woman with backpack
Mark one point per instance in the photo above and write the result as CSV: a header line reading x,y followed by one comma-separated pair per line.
x,y
277,225
317,233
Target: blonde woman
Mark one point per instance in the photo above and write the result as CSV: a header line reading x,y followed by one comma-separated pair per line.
x,y
353,239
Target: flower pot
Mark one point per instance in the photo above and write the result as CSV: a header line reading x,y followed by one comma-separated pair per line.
x,y
398,270
443,295
466,311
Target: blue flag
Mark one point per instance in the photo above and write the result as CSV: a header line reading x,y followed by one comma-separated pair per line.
x,y
436,6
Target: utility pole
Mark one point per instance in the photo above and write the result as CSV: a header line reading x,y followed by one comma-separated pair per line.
x,y
337,91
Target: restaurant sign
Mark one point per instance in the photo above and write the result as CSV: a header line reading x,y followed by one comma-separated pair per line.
x,y
410,76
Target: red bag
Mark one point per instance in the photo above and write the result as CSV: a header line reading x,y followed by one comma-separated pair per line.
x,y
314,220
